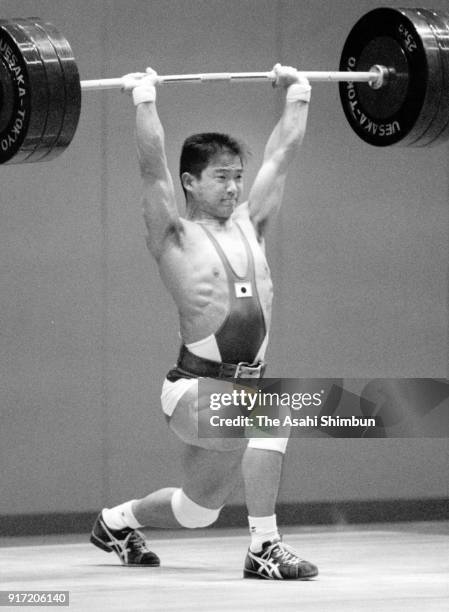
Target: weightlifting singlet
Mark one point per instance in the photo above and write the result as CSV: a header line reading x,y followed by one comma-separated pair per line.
x,y
243,331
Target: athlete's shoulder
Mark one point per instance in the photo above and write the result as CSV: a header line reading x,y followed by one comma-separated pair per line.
x,y
241,212
242,216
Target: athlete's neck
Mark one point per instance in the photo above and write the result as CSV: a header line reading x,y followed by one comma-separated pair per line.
x,y
199,216
218,224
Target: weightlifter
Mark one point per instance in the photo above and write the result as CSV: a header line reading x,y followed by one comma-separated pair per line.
x,y
212,262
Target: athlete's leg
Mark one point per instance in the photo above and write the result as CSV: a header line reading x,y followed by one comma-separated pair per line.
x,y
211,466
261,470
268,557
209,478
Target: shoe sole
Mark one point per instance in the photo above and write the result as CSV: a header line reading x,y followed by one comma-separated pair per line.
x,y
250,574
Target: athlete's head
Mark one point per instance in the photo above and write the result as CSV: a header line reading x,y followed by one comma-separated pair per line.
x,y
211,172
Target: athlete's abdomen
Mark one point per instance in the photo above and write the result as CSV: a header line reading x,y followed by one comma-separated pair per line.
x,y
240,336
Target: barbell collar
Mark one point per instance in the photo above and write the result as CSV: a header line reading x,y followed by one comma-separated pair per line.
x,y
375,76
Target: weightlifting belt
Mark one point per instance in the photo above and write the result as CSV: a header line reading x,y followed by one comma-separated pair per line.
x,y
190,365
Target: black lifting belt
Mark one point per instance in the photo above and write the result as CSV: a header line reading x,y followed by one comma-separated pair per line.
x,y
192,366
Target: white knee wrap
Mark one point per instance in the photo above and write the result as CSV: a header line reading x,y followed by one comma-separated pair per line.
x,y
271,444
189,514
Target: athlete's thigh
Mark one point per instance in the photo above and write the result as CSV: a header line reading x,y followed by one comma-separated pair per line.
x,y
191,420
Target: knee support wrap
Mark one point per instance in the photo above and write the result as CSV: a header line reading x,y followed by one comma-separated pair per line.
x,y
271,444
189,514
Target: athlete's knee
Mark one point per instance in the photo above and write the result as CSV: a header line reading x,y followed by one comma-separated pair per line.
x,y
190,514
271,444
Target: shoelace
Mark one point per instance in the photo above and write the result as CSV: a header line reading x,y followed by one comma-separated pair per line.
x,y
282,552
137,542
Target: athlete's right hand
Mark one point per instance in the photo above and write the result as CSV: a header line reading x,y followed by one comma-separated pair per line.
x,y
285,75
149,78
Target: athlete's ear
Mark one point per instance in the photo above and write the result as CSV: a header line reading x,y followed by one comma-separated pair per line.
x,y
187,181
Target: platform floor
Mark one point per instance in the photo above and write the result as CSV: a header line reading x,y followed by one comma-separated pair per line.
x,y
384,567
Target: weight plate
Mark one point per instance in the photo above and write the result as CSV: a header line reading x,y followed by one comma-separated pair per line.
x,y
442,134
72,87
403,107
436,105
442,111
24,83
55,89
7,102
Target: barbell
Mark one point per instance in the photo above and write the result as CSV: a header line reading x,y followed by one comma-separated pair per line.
x,y
393,80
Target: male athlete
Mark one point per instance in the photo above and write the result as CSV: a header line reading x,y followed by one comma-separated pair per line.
x,y
213,264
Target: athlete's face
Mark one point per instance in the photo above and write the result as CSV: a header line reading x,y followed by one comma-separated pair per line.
x,y
218,190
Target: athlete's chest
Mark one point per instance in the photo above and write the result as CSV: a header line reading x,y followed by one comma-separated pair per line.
x,y
227,253
208,267
234,252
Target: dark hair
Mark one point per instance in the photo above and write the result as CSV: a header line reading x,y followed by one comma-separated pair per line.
x,y
199,149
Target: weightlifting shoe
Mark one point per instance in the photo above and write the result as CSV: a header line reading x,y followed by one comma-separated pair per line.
x,y
277,561
129,544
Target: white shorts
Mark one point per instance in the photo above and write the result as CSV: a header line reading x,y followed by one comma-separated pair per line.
x,y
186,425
173,391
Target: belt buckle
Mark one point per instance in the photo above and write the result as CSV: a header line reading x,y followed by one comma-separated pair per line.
x,y
245,368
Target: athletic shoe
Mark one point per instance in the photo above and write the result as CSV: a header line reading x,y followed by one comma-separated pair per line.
x,y
277,561
129,544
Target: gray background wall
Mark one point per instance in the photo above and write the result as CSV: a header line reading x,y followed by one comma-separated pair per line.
x,y
359,255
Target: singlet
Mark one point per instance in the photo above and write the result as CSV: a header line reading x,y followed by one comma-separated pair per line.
x,y
242,333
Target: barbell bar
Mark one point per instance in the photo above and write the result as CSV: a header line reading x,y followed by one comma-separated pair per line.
x,y
393,81
376,76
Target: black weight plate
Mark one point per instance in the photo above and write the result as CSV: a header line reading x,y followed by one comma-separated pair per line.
x,y
444,135
441,116
55,89
434,77
7,98
443,36
72,86
436,104
391,114
27,81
